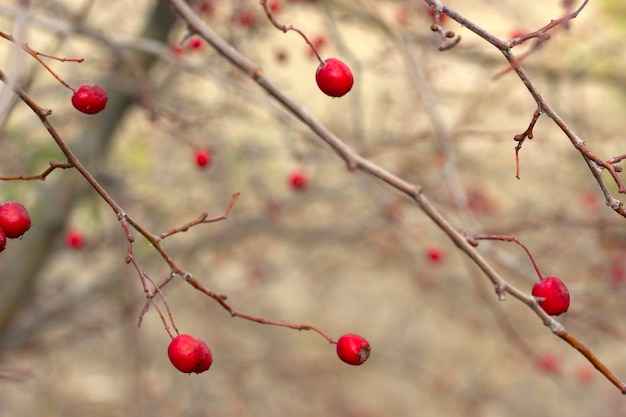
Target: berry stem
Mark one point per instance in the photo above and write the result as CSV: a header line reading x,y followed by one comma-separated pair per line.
x,y
35,54
285,29
474,241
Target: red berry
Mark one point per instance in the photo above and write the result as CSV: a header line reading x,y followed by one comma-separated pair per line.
x,y
584,373
434,254
90,99
549,363
207,360
3,240
353,349
555,294
14,219
203,158
74,239
298,180
245,18
334,77
207,7
189,354
196,43
275,6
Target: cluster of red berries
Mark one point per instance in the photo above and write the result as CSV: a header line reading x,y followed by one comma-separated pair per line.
x,y
90,99
14,222
189,354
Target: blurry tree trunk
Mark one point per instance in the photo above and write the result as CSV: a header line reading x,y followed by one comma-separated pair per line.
x,y
20,270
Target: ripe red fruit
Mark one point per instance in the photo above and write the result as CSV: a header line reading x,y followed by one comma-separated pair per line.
x,y
196,44
434,254
90,99
189,354
203,158
298,180
74,239
3,240
207,360
14,219
555,293
275,6
353,349
549,363
245,18
334,77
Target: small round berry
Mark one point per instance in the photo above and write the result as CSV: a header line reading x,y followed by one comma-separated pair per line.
x,y
207,358
196,44
90,99
74,239
353,349
275,6
203,158
298,180
434,254
334,77
555,294
185,353
3,240
549,363
14,219
245,18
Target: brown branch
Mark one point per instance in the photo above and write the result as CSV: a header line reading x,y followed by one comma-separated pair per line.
x,y
586,352
35,54
221,299
354,161
520,138
202,219
42,176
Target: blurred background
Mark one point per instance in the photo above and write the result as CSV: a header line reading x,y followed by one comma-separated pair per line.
x,y
344,253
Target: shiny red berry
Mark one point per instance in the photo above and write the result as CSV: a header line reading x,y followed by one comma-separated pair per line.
x,y
555,294
203,158
187,354
298,180
334,77
90,99
3,240
353,349
14,219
